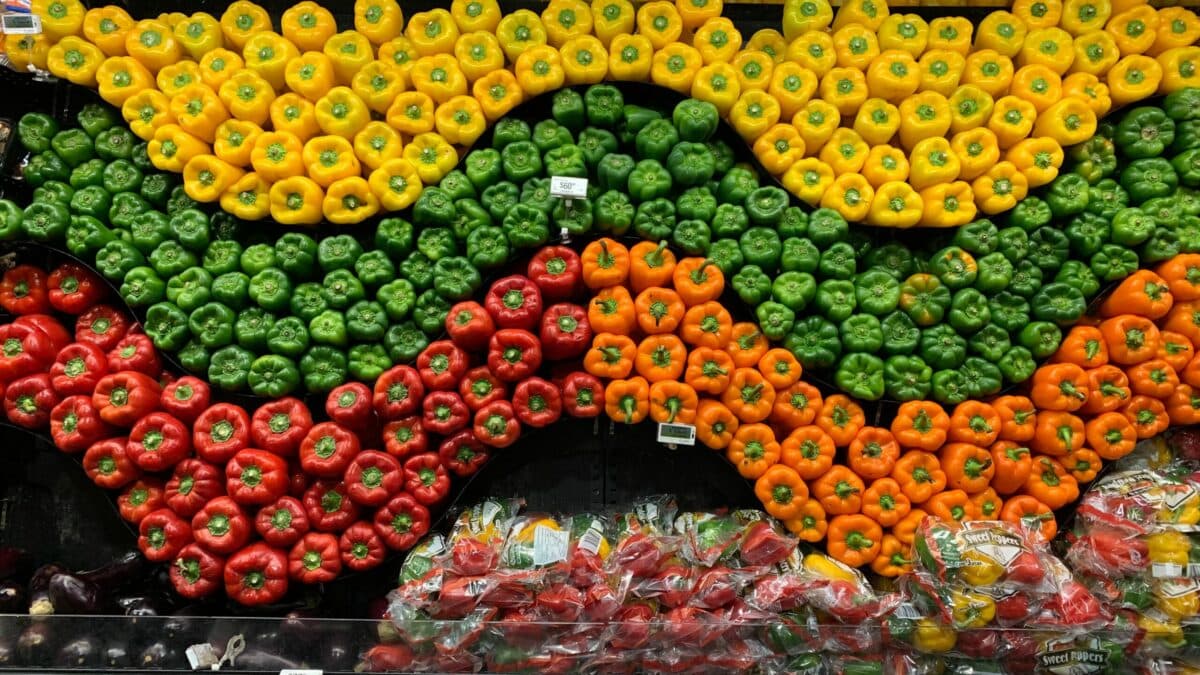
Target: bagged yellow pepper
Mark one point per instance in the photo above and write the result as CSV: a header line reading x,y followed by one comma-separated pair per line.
x,y
60,18
172,148
1177,27
1162,631
896,204
779,148
308,25
922,116
630,58
754,70
611,18
869,13
693,13
478,53
310,75
431,156
566,19
754,112
717,40
118,78
659,21
1081,16
813,50
718,84
475,15
460,120
970,107
1002,32
850,195
329,159
235,141
932,637
106,27
206,178
433,32
76,60
584,59
770,42
379,20
877,121
1037,84
809,179
980,569
1095,53
1037,158
395,184
802,16
539,69
1169,547
1069,122
1091,90
198,110
1000,188
948,205
1179,66
218,66
906,32
1038,13
268,54
933,161
845,88
241,20
296,201
412,113
1177,599
845,152
153,45
977,151
816,122
1051,47
885,164
792,85
177,77
247,96
1133,78
856,46
295,114
342,113
249,198
675,66
941,70
277,155
497,93
377,144
951,33
378,84
990,71
146,111
1011,120
893,75
972,610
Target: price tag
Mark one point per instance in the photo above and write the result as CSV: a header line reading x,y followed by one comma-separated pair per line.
x,y
676,434
568,187
22,24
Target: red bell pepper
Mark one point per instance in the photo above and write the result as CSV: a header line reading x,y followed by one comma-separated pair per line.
x,y
565,332
162,535
405,437
361,548
158,442
140,498
24,350
401,522
78,368
23,290
556,271
350,405
193,483
582,395
196,573
327,449
398,393
283,523
102,325
373,477
256,477
256,575
220,432
75,425
537,402
462,453
328,506
185,398
315,559
514,354
59,337
426,479
469,325
389,658
136,352
280,426
979,643
480,387
514,302
496,424
442,365
221,526
1013,609
74,289
1026,568
124,398
1109,553
1076,606
29,400
107,465
444,413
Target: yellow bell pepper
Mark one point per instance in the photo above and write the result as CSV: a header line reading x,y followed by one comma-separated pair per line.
x,y
60,18
247,96
177,77
693,13
171,148
497,93
249,198
948,205
893,75
329,159
377,84
402,55
475,15
1185,513
277,155
972,610
813,50
1179,66
268,54
754,113
856,46
845,152
1038,13
1070,121
539,70
1012,120
153,44
342,113
1051,47
717,40
825,568
779,148
952,34
611,18
630,58
412,113
106,27
1133,78
850,195
816,122
565,20
349,201
754,70
1002,32
75,60
310,75
379,20
519,31
1178,599
659,21
296,201
241,20
933,161
1169,546
146,111
478,54
932,637
1091,90
172,19
792,85
308,25
1039,85
970,107
990,71
1038,158
885,164
1082,16
718,84
584,60
218,66
350,51
395,184
922,116
199,34
460,120
431,156
433,32
675,67
906,32
802,16
235,141
206,178
1177,27
977,151
118,78
1095,53
1166,632
896,204
869,13
439,77
27,51
941,71
769,41
845,88
979,569
376,144
295,114
1000,188
809,179
199,111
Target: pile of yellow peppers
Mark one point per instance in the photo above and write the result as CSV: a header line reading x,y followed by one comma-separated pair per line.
x,y
884,117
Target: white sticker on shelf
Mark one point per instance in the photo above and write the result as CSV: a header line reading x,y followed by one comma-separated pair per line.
x,y
676,434
301,671
568,187
549,545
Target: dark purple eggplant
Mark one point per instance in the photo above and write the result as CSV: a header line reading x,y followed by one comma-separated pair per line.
x,y
259,659
14,562
39,587
13,599
143,605
83,652
179,629
70,594
126,569
159,655
116,655
35,646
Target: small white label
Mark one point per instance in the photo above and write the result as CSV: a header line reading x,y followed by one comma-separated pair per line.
x,y
1162,570
22,24
549,545
591,540
301,671
201,656
676,434
568,187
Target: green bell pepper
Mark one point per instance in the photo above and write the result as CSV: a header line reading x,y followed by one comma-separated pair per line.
x,y
44,167
576,218
484,168
548,135
692,237
1144,131
794,290
230,368
1187,166
54,191
1132,226
736,185
1167,212
1030,213
93,201
212,324
190,229
73,146
766,206
900,334
142,287
126,207
257,257
723,154
1076,274
85,236
697,203
526,227
954,267
341,289
835,299
140,157
604,104
596,144
1017,365
799,255
35,130
1049,248
649,181
654,220
815,342
323,368
536,193
418,269
730,221
877,292
761,246
1041,338
1183,104
308,300
793,222
170,258
367,362
862,333
1087,233
510,130
655,140
521,160
374,269
404,341
114,259
434,207
982,377
969,311
1059,303
179,200
991,342
924,298
397,298
906,378
231,289
221,256
949,387
691,164
696,120
861,376
995,272
366,321
838,261
1162,246
1009,310
979,238
273,376
329,328
296,254
752,285
942,347
116,143
1068,195
565,160
1107,197
727,256
271,289
499,199
1149,178
121,175
612,172
429,312
893,257
336,253
94,118
457,185
90,172
190,288
1027,279
455,278
487,248
45,221
1094,159
1113,262
10,219
566,107
167,326
636,119
775,319
1014,244
394,236
469,215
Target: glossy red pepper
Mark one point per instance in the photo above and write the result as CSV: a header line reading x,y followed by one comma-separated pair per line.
x,y
75,425
24,350
389,658
186,398
193,483
1013,608
327,449
514,302
196,573
582,395
1026,568
315,559
23,290
401,522
74,289
102,325
78,368
469,325
538,402
405,437
162,535
565,331
256,575
398,393
221,526
480,387
256,477
556,271
139,498
426,479
59,337
362,549
441,364
443,412
350,405
496,424
462,453
373,477
283,523
29,400
135,352
1076,605
328,506
106,464
220,432
125,397
280,426
158,442
514,354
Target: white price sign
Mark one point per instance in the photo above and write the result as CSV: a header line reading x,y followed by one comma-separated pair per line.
x,y
568,187
676,434
22,24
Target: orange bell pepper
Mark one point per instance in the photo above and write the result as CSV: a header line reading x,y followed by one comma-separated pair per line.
x,y
611,311
675,402
749,395
697,280
708,370
894,558
627,401
650,264
906,529
659,310
854,539
1132,339
841,417
968,467
746,344
1182,274
1183,406
1184,318
920,475
809,451
839,491
1051,484
1155,378
1058,433
663,357
1108,390
610,356
1083,464
1176,350
779,367
873,453
1059,386
885,503
1031,514
710,325
1111,435
1143,293
753,450
796,406
974,422
715,424
1147,415
605,263
1084,346
1018,418
951,505
1012,463
810,525
988,504
920,425
781,491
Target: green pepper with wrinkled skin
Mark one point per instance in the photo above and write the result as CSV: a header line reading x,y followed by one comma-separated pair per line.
x,y
1161,246
190,229
1144,131
1041,338
190,289
991,342
877,292
221,256
907,378
92,200
982,377
156,189
455,278
736,185
1029,214
510,130
942,347
775,319
125,209
272,290
690,164
799,255
1113,262
167,326
862,333
565,160
656,139
1017,365
1094,159
429,312
838,261
761,246
861,376
894,258
977,238
526,227
1106,197
231,289
1145,179
968,311
1009,311
404,341
194,357
252,327
296,253
115,258
795,290
1027,279
212,324
1167,212
1087,233
793,222
596,144
90,172
900,334
367,362
995,273
815,342
86,236
548,135
499,199
142,287
229,368
697,203
727,256
835,299
323,368
418,269
1076,274
1049,248
604,104
54,191
752,285
170,258
949,387
692,237
288,337
46,222
1013,244
654,220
